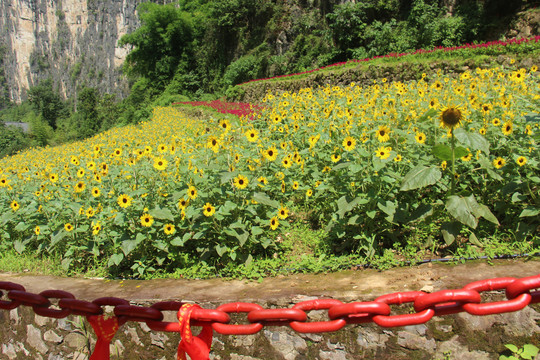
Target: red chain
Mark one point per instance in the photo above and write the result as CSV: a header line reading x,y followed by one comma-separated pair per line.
x,y
519,293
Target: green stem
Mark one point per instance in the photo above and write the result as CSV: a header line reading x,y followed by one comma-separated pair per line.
x,y
453,147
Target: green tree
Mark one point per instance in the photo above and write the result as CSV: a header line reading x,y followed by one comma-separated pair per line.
x,y
46,102
160,45
87,101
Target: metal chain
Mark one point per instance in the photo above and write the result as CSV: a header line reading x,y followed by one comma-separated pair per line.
x,y
520,292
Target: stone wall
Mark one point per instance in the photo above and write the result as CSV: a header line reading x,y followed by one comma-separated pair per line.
x,y
24,335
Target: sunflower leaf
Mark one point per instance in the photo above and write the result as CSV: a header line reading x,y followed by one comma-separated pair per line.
x,y
419,177
473,141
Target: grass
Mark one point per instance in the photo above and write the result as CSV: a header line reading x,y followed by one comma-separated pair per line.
x,y
304,251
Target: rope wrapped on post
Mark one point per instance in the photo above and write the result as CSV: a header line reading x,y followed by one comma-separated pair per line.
x,y
519,292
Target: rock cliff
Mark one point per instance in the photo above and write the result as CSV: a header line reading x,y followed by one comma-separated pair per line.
x,y
72,41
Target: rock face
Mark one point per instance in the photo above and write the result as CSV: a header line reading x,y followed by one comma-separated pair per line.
x,y
72,41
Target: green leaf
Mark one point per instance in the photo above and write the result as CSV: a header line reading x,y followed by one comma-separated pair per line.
x,y
256,230
227,207
529,211
130,245
474,240
22,226
473,141
56,237
428,114
463,209
115,259
262,198
421,212
177,241
513,348
163,214
371,214
450,231
65,263
19,246
420,176
248,260
242,238
483,211
444,152
82,229
344,206
227,177
530,351
389,208
341,166
220,249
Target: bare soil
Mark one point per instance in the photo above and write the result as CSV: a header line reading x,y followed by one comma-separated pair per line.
x,y
344,285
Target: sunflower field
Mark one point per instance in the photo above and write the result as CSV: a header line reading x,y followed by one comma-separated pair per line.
x,y
456,154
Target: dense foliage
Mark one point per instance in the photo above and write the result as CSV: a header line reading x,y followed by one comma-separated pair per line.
x,y
370,166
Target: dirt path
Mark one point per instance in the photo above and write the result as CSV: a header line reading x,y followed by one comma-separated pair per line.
x,y
344,285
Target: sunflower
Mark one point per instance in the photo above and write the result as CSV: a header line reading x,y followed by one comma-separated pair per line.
x,y
80,186
444,164
295,185
182,203
522,160
507,128
270,154
90,212
286,162
192,192
96,228
160,164
433,103
252,135
147,220
241,182
224,124
309,192
4,182
467,157
15,205
383,152
274,223
398,158
283,213
68,227
37,230
80,173
213,144
208,210
53,178
169,229
451,117
420,137
117,152
335,157
124,201
383,133
313,140
349,143
96,192
499,162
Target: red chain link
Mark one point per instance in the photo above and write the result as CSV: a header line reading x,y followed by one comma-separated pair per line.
x,y
519,293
